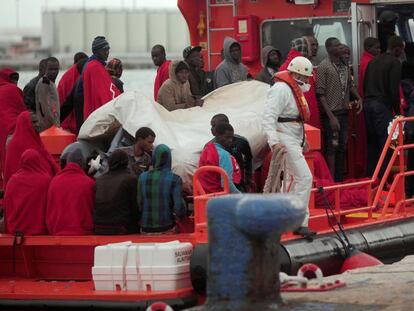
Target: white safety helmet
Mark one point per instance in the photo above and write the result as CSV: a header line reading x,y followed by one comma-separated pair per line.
x,y
301,65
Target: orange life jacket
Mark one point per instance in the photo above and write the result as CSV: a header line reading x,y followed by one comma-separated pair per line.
x,y
301,103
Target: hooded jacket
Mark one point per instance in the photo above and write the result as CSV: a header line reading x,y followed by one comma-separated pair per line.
x,y
25,200
228,71
266,74
11,105
214,154
25,137
70,202
160,194
174,94
116,209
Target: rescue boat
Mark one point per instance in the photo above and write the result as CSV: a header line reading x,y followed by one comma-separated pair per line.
x,y
55,271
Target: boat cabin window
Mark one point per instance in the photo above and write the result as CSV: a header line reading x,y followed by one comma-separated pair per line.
x,y
280,33
405,19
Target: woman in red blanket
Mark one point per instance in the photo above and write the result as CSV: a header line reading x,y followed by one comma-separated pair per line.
x,y
11,105
26,136
70,200
25,197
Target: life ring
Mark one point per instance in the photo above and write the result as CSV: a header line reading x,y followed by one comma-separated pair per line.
x,y
311,271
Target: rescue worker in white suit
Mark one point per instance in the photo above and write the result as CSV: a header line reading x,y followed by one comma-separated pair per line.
x,y
285,112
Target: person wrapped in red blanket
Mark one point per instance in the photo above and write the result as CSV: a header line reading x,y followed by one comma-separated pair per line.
x,y
70,200
65,88
25,197
11,105
26,136
95,87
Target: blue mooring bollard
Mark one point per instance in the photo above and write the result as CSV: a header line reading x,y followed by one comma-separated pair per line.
x,y
244,237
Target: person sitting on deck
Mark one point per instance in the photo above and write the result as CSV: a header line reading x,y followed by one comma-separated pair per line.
x,y
139,154
175,93
240,150
230,70
47,98
160,195
65,90
116,209
114,68
159,59
11,105
70,199
215,154
26,196
26,136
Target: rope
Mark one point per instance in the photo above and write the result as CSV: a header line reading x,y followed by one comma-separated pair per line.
x,y
330,214
277,167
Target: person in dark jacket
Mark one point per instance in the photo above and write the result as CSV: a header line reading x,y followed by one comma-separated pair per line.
x,y
160,195
201,82
382,100
114,68
240,150
271,58
116,208
29,89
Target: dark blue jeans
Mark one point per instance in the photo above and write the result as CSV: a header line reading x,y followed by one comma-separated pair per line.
x,y
337,151
377,118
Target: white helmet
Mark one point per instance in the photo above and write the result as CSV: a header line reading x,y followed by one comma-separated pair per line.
x,y
301,65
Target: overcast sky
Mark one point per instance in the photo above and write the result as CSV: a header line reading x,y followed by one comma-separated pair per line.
x,y
29,11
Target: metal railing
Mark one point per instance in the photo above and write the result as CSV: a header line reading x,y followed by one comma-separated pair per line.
x,y
397,185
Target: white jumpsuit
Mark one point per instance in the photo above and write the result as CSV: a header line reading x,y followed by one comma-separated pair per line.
x,y
281,102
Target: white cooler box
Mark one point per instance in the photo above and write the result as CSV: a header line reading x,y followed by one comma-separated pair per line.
x,y
142,267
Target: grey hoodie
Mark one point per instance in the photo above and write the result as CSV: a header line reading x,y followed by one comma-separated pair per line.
x,y
228,71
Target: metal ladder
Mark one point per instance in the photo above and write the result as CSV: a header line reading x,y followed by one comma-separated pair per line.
x,y
209,5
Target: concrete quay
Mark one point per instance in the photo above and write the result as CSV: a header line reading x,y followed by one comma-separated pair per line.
x,y
385,288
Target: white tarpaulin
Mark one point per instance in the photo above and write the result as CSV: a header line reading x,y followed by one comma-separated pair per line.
x,y
185,131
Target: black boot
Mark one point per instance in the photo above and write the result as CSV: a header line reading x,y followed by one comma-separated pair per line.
x,y
305,232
